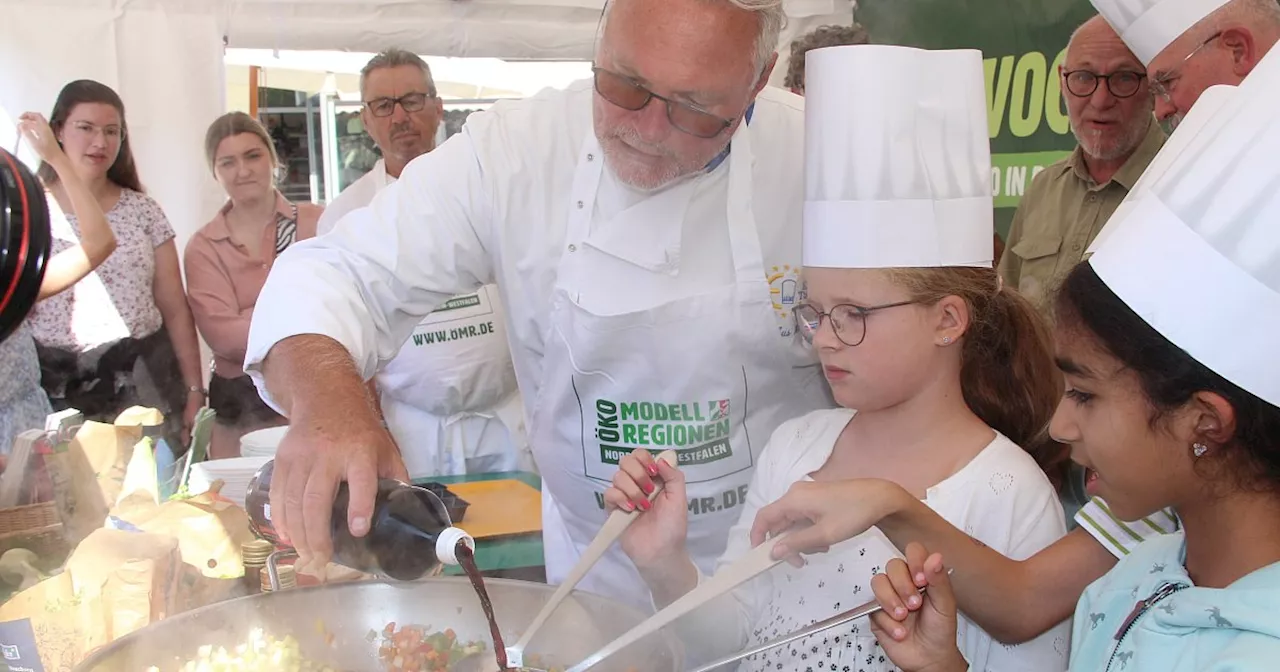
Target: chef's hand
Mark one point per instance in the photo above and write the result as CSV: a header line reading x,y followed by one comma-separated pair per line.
x,y
917,632
656,539
820,515
324,446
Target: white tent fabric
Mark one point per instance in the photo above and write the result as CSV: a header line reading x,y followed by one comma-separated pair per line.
x,y
529,29
165,64
165,58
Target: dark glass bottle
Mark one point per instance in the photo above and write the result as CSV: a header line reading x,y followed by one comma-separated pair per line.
x,y
410,534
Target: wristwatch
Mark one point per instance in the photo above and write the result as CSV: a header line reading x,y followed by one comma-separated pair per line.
x,y
196,388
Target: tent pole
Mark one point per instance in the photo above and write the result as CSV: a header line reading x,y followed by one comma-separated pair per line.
x,y
253,91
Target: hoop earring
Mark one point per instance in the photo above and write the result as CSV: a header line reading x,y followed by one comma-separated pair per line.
x,y
1199,449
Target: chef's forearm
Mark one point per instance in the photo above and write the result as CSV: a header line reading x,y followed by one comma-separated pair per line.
x,y
314,375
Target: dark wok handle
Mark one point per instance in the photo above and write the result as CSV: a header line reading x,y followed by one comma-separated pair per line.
x,y
273,570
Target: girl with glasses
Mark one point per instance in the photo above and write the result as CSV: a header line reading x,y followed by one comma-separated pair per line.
x,y
941,373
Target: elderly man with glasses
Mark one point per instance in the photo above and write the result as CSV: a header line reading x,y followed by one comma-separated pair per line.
x,y
1191,45
644,230
450,403
1109,106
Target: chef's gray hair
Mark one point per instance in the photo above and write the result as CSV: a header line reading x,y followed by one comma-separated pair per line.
x,y
1261,13
771,15
1261,17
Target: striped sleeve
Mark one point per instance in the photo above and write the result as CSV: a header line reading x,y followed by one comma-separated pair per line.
x,y
1118,536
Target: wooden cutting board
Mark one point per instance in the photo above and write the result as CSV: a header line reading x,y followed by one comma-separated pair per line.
x,y
500,508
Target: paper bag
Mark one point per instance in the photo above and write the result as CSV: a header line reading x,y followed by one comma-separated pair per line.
x,y
59,619
133,576
94,463
210,529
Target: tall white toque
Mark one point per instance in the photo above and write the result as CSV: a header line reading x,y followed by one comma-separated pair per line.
x,y
1196,252
1148,26
897,159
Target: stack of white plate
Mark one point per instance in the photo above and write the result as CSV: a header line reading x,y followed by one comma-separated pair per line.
x,y
262,443
235,474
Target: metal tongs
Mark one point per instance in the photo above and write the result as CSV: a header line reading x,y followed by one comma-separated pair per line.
x,y
835,621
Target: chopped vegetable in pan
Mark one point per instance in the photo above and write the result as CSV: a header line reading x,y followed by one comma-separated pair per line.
x,y
411,649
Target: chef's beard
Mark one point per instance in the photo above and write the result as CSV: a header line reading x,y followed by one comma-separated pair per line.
x,y
643,176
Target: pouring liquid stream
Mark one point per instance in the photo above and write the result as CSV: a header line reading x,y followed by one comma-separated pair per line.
x,y
467,558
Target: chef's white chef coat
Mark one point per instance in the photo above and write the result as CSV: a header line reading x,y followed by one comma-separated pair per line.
x,y
629,300
449,397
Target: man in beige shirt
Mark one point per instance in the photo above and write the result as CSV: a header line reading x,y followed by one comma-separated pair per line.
x,y
1110,108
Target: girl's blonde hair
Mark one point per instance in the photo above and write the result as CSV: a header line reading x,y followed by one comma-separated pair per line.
x,y
1007,374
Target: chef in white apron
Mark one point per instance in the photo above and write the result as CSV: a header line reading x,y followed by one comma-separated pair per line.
x,y
655,318
449,397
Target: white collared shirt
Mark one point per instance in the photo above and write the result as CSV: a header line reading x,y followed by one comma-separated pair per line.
x,y
491,205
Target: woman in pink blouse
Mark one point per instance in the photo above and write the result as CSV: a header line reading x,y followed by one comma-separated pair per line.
x,y
123,335
227,262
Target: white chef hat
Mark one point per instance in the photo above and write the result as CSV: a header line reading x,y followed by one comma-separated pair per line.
x,y
1148,26
1187,136
1197,252
897,159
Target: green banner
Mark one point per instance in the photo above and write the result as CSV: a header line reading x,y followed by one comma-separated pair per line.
x,y
1022,43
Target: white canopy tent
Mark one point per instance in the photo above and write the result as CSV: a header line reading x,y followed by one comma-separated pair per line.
x,y
338,72
166,58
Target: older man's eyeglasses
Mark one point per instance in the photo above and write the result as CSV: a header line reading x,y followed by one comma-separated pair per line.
x,y
411,102
1162,84
630,95
1121,84
847,320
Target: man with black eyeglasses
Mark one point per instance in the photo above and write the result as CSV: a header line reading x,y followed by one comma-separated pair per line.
x,y
1189,46
1109,107
643,227
402,114
449,397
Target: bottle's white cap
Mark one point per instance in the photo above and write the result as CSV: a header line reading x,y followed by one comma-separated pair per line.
x,y
447,545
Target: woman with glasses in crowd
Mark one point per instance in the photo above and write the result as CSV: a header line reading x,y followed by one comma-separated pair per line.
x,y
227,262
123,336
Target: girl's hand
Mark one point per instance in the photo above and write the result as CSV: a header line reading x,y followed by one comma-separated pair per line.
x,y
917,632
656,539
824,514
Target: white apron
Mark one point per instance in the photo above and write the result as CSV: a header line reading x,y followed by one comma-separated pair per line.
x,y
708,375
450,397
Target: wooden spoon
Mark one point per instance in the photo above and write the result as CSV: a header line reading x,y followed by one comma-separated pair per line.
x,y
749,566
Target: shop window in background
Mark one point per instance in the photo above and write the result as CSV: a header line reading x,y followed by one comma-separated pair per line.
x,y
357,153
293,120
455,118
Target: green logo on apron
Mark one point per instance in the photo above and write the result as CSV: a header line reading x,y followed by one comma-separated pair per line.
x,y
698,431
458,302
